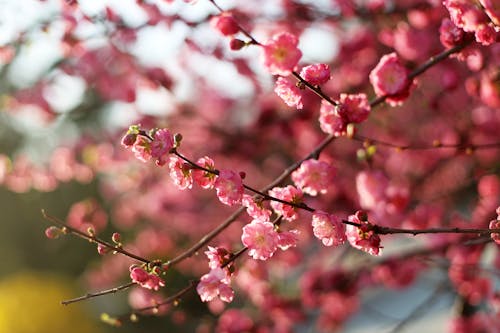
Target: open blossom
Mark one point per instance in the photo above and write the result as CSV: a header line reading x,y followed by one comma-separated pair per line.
x,y
288,239
289,193
256,210
495,224
261,239
363,237
142,148
229,187
390,78
353,108
180,172
313,176
280,54
371,187
316,74
203,178
217,256
449,34
145,279
330,121
328,228
161,145
213,284
288,92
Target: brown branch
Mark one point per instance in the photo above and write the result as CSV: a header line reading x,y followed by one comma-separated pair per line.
x,y
93,239
99,293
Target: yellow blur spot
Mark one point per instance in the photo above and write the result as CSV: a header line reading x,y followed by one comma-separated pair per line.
x,y
31,303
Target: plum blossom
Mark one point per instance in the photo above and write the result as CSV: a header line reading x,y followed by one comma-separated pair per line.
x,y
146,280
328,228
288,239
316,74
161,145
390,78
363,237
313,176
180,172
330,121
204,178
280,54
229,187
289,93
142,148
495,224
261,239
353,108
290,194
217,256
255,209
213,284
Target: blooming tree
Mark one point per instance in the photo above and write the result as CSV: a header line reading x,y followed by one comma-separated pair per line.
x,y
278,155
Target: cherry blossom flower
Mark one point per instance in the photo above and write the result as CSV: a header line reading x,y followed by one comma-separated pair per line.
x,y
390,78
180,172
261,239
288,239
328,228
142,149
363,237
225,24
353,108
204,178
144,279
313,176
288,92
290,194
233,320
217,256
330,121
161,145
316,74
256,210
371,187
229,187
280,54
213,284
495,224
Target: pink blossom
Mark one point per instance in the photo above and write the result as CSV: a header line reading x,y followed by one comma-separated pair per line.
x,y
330,121
313,176
217,256
290,194
390,78
144,279
229,187
495,224
261,239
288,92
353,108
280,54
363,237
255,209
87,214
449,34
180,172
142,149
161,145
288,239
328,228
204,178
492,9
225,24
213,284
316,74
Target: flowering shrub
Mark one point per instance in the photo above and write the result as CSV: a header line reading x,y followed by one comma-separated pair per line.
x,y
291,161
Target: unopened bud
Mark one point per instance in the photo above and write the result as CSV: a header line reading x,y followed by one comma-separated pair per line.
x,y
116,238
128,140
236,44
101,249
53,232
